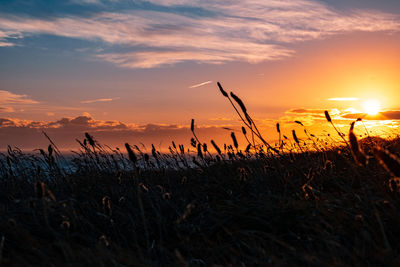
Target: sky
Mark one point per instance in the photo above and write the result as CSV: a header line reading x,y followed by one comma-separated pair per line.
x,y
139,71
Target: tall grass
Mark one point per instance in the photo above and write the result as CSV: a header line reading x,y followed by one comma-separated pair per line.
x,y
306,202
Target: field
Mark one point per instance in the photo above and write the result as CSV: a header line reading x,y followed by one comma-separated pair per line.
x,y
301,203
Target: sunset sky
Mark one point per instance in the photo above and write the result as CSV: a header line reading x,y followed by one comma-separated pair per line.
x,y
139,71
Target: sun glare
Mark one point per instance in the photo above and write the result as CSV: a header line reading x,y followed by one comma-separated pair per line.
x,y
372,106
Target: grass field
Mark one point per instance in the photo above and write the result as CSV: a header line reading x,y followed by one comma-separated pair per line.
x,y
291,204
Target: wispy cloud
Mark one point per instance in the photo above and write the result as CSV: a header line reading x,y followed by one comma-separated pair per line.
x,y
247,30
10,102
6,37
22,103
345,114
381,116
200,84
5,44
86,2
305,111
99,100
7,97
343,99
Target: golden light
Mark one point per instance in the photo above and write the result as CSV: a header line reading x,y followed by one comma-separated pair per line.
x,y
372,106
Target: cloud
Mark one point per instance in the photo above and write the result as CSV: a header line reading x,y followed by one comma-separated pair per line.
x,y
5,44
385,124
382,116
114,133
7,122
313,116
14,122
306,111
86,2
200,84
7,97
99,100
27,134
215,32
158,58
391,114
83,122
10,102
6,35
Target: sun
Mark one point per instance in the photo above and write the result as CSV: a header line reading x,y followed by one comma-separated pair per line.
x,y
372,106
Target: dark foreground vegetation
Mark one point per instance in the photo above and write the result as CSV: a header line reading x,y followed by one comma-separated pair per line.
x,y
306,203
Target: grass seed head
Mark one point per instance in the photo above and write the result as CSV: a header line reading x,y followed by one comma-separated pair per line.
x,y
240,102
358,154
131,153
235,142
153,151
192,125
193,142
248,118
205,149
295,137
216,147
199,152
50,150
327,116
248,148
222,90
90,139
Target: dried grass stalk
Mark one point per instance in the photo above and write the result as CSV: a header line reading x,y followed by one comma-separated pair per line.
x,y
358,154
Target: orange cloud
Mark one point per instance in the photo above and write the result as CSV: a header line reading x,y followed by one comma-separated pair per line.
x,y
7,97
342,118
384,115
99,100
28,134
200,84
306,111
